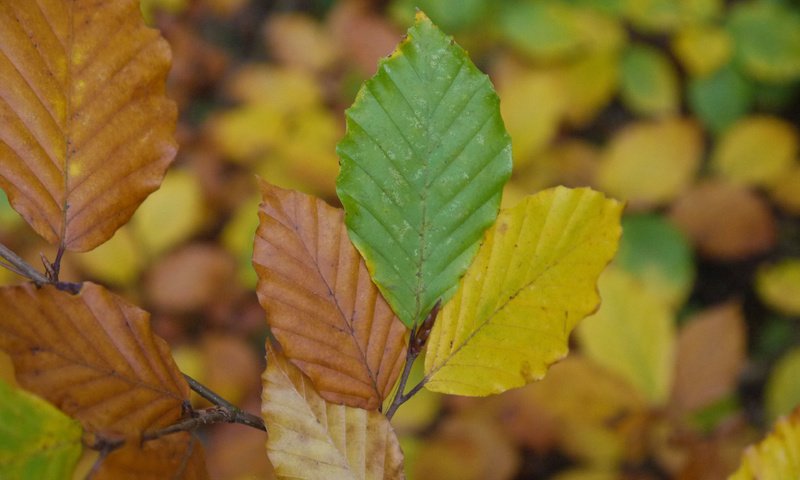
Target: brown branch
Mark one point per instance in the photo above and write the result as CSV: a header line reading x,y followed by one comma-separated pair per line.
x,y
21,267
416,342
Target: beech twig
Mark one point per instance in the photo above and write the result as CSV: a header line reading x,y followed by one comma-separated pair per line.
x,y
16,264
233,413
416,342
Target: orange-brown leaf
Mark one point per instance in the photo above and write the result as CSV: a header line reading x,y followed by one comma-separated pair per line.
x,y
178,456
85,128
706,373
93,356
321,303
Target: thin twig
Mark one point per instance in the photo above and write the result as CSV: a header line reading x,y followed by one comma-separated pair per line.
x,y
416,342
21,267
235,414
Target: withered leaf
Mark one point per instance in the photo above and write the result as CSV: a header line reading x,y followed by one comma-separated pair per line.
x,y
85,128
322,306
93,356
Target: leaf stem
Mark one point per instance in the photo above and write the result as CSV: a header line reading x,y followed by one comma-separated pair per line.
x,y
416,342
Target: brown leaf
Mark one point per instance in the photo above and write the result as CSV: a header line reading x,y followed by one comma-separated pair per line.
x,y
85,128
725,221
311,438
711,353
178,456
467,448
93,356
363,36
321,303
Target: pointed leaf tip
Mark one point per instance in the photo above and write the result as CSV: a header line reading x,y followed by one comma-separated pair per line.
x,y
423,164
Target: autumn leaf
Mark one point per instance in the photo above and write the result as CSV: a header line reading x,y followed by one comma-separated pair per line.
x,y
422,169
632,334
321,303
312,438
86,129
648,81
36,440
113,375
782,393
178,456
703,376
777,456
778,285
531,282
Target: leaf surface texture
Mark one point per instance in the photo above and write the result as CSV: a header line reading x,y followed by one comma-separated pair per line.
x,y
85,127
93,356
36,440
423,164
312,438
322,306
532,280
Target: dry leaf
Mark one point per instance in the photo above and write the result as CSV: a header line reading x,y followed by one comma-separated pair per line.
x,y
87,130
299,41
725,221
651,163
113,375
711,352
321,303
312,438
177,456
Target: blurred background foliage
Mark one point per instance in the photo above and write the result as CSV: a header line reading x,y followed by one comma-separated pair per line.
x,y
686,109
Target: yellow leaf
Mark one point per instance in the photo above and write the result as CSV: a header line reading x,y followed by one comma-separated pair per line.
x,y
785,191
779,285
237,238
312,438
532,107
756,150
282,89
532,280
777,457
171,215
246,133
633,334
783,389
702,49
117,261
651,163
590,84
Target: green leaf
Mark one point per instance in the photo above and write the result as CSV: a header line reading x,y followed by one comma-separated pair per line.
x,y
36,439
544,30
767,39
423,164
720,99
451,15
783,389
657,253
533,279
649,83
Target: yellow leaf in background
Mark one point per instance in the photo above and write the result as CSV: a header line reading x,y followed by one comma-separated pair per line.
x,y
586,474
702,49
283,89
532,108
590,82
170,215
571,163
598,414
777,457
778,285
532,280
633,334
666,15
118,261
783,389
467,448
756,150
651,163
298,40
237,238
601,34
312,438
785,191
7,370
150,7
246,133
